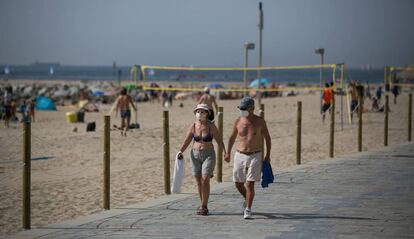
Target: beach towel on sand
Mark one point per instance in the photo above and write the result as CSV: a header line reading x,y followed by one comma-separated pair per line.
x,y
178,175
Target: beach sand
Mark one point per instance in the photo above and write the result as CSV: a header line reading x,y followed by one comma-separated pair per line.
x,y
67,177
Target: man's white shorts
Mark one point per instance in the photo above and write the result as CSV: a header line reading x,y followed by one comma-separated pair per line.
x,y
247,167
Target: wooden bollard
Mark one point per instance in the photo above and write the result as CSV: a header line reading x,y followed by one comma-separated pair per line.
x,y
262,111
360,106
219,150
167,187
262,114
26,175
299,133
386,110
332,131
410,105
107,163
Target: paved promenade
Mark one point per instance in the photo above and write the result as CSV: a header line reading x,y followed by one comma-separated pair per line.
x,y
366,195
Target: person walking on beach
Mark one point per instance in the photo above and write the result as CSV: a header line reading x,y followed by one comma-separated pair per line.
x,y
7,106
250,129
209,100
378,93
354,97
171,94
203,156
367,91
327,97
122,103
395,91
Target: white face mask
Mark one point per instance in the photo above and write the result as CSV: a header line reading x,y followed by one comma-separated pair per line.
x,y
244,113
200,116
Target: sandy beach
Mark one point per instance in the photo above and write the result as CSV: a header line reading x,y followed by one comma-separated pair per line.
x,y
67,170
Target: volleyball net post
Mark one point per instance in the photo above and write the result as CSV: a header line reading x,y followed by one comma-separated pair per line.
x,y
400,76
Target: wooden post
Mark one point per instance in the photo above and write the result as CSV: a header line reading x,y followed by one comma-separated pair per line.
x,y
386,109
332,132
299,133
410,105
219,150
166,134
262,108
360,106
106,162
262,114
26,175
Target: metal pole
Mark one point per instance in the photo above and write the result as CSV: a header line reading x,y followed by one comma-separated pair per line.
x,y
262,114
332,132
299,133
220,150
386,121
259,72
360,106
410,105
107,159
342,96
385,77
26,175
320,83
166,134
245,71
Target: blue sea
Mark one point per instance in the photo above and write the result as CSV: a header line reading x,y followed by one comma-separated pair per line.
x,y
122,73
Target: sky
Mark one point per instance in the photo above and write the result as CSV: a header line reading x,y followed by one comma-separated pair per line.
x,y
206,32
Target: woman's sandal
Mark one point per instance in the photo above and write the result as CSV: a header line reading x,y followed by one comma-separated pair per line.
x,y
199,210
204,211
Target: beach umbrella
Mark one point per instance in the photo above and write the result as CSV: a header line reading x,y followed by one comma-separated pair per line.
x,y
61,93
73,90
130,87
97,93
216,86
27,91
112,92
261,81
44,103
42,91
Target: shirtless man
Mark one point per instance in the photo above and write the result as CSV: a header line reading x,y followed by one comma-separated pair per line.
x,y
327,98
209,100
122,104
250,129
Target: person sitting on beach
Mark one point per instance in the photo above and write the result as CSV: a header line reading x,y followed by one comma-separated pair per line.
x,y
248,159
203,156
122,103
375,104
327,97
209,100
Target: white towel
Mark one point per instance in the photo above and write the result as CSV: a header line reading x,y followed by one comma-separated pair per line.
x,y
178,176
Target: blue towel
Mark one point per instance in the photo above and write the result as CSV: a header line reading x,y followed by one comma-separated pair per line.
x,y
267,174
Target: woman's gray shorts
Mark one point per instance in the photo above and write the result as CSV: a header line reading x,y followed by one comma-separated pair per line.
x,y
203,161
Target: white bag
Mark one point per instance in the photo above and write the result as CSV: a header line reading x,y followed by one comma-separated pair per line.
x,y
178,175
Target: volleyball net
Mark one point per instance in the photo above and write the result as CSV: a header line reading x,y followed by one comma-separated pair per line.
x,y
239,79
399,76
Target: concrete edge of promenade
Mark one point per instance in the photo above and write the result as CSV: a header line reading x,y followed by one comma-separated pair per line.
x,y
73,223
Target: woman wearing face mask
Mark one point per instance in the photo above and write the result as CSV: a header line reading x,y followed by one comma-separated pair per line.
x,y
203,156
